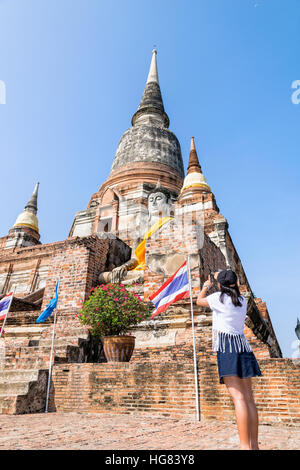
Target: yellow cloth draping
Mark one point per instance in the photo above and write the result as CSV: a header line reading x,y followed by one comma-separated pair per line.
x,y
140,251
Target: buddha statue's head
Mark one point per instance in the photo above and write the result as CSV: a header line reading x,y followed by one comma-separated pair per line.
x,y
159,203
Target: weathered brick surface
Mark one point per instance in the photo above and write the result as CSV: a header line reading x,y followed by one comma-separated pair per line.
x,y
25,357
166,388
259,348
2,242
77,265
76,260
276,392
94,431
160,381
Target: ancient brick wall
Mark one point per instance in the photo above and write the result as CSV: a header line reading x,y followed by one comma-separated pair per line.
x,y
160,380
260,349
260,330
203,334
164,388
209,208
2,242
167,389
70,265
262,307
276,393
77,263
23,270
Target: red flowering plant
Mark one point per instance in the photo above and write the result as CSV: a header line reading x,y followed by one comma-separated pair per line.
x,y
112,310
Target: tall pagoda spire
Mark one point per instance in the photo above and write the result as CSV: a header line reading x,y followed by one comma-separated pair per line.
x,y
148,145
153,74
151,106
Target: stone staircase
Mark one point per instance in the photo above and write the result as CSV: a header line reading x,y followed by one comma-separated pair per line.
x,y
22,391
25,359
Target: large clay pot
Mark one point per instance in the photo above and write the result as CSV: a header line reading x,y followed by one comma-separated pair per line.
x,y
118,348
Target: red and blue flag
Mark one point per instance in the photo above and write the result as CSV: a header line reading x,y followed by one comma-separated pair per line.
x,y
5,305
175,288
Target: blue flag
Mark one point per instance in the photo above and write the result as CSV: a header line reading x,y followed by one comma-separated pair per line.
x,y
50,307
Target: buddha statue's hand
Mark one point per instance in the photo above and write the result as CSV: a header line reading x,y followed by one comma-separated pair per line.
x,y
118,274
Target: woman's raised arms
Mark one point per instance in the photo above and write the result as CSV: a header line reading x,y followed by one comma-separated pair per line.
x,y
201,300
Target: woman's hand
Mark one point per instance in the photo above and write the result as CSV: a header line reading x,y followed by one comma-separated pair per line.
x,y
207,283
201,301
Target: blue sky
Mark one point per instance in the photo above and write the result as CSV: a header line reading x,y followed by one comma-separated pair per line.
x,y
75,71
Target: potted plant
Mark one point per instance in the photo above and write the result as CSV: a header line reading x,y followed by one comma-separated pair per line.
x,y
111,311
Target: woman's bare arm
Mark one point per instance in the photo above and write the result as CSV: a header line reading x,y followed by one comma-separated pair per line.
x,y
201,300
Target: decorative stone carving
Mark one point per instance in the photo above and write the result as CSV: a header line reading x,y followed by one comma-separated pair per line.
x,y
221,225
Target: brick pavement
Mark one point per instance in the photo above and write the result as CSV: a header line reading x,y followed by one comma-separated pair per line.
x,y
80,431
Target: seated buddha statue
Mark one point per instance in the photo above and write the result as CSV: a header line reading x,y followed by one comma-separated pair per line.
x,y
133,270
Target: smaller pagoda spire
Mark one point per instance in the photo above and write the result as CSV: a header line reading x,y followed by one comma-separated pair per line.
x,y
28,218
194,182
31,205
194,165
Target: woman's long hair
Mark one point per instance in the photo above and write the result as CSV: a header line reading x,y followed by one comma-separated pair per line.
x,y
233,292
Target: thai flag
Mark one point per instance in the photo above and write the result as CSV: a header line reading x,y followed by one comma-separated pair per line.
x,y
175,288
5,305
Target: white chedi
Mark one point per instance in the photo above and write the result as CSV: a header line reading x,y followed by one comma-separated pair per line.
x,y
195,179
27,219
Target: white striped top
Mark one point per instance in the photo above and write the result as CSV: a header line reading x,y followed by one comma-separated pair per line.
x,y
228,322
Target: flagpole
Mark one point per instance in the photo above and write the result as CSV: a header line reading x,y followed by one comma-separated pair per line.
x,y
50,367
4,321
194,342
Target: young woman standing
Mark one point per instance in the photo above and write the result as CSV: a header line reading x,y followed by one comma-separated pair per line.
x,y
236,361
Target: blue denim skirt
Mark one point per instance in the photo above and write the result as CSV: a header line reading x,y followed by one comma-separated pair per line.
x,y
240,364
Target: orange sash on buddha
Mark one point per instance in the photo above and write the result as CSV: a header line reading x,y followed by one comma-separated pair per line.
x,y
141,248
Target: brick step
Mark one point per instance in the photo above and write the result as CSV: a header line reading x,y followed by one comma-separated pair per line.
x,y
29,352
71,332
13,388
25,318
30,364
29,357
18,375
32,350
17,342
23,390
24,331
176,322
59,342
7,404
26,362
